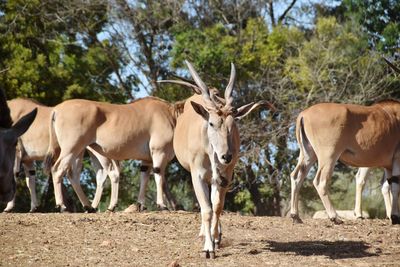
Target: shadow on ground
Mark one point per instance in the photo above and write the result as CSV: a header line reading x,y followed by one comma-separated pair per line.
x,y
333,250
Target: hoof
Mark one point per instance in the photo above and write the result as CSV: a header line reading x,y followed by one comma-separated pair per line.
x,y
61,209
336,220
110,210
212,255
208,254
33,210
141,207
395,219
162,208
296,218
7,211
360,218
89,209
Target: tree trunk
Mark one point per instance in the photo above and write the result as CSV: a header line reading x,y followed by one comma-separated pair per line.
x,y
170,198
260,207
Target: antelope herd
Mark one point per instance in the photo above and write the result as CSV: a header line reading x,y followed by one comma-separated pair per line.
x,y
154,131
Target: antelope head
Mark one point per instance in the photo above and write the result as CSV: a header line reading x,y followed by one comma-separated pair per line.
x,y
220,116
8,141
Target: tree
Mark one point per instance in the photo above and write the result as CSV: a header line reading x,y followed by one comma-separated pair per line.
x,y
380,20
51,52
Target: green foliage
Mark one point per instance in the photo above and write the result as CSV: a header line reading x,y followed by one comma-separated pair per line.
x,y
380,20
52,51
336,62
50,57
243,200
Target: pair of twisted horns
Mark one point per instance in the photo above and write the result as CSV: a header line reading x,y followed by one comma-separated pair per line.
x,y
210,98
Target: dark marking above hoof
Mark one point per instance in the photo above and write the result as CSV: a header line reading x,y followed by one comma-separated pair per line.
x,y
208,254
296,218
141,207
111,210
336,221
61,209
217,244
89,209
212,255
395,219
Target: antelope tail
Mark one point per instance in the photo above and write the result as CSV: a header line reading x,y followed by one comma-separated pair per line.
x,y
303,143
301,135
54,148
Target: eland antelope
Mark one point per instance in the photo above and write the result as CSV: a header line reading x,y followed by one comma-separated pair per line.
x,y
356,135
8,140
33,145
361,136
206,143
142,130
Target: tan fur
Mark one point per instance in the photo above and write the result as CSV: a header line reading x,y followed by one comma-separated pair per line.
x,y
35,141
361,136
206,143
141,130
33,145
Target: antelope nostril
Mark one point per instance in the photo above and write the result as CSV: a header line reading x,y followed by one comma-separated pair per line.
x,y
227,157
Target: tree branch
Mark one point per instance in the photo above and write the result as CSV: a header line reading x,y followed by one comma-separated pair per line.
x,y
271,12
282,17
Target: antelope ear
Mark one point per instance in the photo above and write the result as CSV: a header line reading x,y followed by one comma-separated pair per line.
x,y
21,126
245,110
200,110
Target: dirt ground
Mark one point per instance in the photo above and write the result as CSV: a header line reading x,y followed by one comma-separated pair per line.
x,y
159,239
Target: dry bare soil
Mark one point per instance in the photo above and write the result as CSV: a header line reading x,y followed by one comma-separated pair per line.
x,y
159,239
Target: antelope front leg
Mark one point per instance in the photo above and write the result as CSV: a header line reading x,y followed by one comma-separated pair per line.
x,y
387,197
30,179
361,176
159,163
395,189
31,183
114,177
218,199
144,180
203,197
17,164
10,205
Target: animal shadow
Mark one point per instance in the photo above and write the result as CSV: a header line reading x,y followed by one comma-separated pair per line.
x,y
333,250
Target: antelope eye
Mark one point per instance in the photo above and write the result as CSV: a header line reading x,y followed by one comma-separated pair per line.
x,y
211,124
